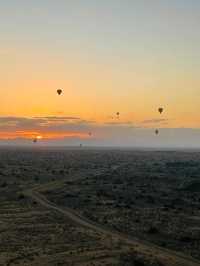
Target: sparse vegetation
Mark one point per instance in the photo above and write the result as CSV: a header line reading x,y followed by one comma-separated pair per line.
x,y
140,194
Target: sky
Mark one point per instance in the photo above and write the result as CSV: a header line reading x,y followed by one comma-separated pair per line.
x,y
108,56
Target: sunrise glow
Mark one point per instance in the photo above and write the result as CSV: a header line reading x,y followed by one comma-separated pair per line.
x,y
131,65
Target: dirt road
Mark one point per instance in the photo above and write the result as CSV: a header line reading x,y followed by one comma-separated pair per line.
x,y
171,257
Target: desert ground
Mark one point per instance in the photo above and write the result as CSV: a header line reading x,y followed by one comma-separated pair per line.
x,y
99,207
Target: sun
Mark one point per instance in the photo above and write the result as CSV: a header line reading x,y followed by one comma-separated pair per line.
x,y
39,137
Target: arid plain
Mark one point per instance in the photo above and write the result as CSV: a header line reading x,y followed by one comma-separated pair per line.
x,y
99,207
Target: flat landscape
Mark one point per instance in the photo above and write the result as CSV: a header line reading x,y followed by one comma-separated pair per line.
x,y
99,207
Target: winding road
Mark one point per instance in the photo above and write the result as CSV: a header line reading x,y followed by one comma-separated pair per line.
x,y
172,258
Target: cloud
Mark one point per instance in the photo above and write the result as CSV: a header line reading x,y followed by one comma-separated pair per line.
x,y
36,122
67,130
57,118
49,127
19,121
155,121
119,123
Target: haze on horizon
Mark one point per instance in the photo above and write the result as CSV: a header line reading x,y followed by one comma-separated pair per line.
x,y
107,56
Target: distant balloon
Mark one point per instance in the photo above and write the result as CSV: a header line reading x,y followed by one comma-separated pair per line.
x,y
90,134
118,114
35,140
81,145
157,131
59,91
160,110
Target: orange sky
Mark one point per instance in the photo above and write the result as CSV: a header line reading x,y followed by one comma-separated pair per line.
x,y
133,61
28,134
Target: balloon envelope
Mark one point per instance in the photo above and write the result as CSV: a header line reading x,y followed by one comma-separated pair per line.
x,y
59,91
160,110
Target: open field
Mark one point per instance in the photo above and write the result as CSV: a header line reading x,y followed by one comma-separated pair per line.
x,y
99,207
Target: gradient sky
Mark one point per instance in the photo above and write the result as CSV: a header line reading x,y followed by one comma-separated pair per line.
x,y
128,56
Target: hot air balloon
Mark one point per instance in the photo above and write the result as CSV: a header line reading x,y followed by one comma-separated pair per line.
x,y
160,110
157,131
59,91
35,140
118,114
90,134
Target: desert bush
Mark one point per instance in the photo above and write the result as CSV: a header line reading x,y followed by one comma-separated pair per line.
x,y
4,184
136,259
21,196
152,230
